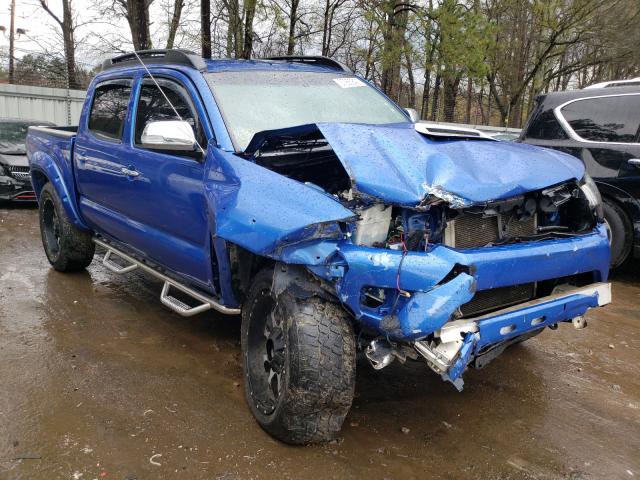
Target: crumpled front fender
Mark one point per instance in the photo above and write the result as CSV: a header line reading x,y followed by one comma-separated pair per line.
x,y
263,211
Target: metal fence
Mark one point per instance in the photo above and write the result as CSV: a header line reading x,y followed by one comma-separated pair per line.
x,y
57,105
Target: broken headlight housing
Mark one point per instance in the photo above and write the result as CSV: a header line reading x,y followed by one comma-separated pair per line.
x,y
592,194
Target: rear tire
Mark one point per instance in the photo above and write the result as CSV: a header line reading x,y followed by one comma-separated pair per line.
x,y
620,232
68,248
298,363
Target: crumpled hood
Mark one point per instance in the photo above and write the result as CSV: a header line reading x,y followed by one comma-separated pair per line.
x,y
399,165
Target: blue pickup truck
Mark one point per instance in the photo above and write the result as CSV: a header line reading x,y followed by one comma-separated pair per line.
x,y
293,193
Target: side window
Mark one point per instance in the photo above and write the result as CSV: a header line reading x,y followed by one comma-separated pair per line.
x,y
153,107
605,119
545,126
108,110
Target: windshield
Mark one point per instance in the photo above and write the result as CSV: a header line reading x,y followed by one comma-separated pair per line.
x,y
12,137
252,101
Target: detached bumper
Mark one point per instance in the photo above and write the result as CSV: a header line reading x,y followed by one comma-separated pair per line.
x,y
461,341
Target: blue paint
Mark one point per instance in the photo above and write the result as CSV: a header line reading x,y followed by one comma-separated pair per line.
x,y
354,267
414,165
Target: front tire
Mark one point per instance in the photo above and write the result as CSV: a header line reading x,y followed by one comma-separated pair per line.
x,y
298,363
68,248
620,232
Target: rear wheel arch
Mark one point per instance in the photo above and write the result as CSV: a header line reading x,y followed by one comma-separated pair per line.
x,y
38,180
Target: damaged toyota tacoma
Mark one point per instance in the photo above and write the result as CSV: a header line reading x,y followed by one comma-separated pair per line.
x,y
292,192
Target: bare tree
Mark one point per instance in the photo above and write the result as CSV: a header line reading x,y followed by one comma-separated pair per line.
x,y
249,14
178,5
205,27
136,12
67,28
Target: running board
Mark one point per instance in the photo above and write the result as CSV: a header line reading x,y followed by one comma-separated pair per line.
x,y
178,306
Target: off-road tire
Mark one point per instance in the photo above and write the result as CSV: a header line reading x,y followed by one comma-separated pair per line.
x,y
621,231
318,381
68,248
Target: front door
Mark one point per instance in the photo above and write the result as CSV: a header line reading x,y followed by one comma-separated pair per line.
x,y
166,207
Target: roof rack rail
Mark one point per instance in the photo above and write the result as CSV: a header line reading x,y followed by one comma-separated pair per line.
x,y
313,60
161,56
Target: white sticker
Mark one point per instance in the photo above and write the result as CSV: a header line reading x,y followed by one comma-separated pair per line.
x,y
348,82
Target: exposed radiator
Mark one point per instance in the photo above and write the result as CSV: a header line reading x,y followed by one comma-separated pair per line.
x,y
476,230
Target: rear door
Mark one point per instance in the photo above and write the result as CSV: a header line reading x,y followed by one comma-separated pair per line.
x,y
100,144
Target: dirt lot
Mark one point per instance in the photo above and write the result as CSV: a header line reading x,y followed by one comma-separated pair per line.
x,y
98,380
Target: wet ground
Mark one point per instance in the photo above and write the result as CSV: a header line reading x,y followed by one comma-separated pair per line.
x,y
98,380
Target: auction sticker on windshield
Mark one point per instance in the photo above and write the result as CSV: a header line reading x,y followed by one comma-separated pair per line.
x,y
348,82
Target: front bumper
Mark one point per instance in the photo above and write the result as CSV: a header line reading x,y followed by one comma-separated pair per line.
x,y
461,341
439,281
16,189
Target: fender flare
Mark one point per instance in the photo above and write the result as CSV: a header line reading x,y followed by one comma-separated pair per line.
x,y
42,164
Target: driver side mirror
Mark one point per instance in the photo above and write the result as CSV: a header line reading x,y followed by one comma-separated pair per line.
x,y
413,114
174,135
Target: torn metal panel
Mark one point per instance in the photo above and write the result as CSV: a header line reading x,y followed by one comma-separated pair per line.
x,y
425,312
263,211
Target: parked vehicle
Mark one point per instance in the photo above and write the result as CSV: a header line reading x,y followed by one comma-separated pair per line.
x,y
292,192
600,126
15,180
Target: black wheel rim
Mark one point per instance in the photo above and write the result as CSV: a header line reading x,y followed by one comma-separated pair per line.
x,y
265,355
51,227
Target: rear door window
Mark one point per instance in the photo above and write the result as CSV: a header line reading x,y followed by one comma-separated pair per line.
x,y
109,110
605,119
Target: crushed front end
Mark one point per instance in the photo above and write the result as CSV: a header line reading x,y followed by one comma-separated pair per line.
x,y
443,249
456,285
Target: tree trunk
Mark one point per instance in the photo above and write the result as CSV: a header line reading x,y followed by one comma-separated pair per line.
x,y
467,117
411,101
450,96
11,42
394,44
175,22
293,18
205,27
425,94
138,18
325,28
233,10
69,45
436,94
249,14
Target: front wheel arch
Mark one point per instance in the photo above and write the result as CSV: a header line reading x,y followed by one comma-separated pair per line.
x,y
619,229
314,343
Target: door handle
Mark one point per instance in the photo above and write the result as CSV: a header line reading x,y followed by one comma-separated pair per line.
x,y
634,161
81,158
129,173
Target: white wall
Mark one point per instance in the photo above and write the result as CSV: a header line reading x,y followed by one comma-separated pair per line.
x,y
56,105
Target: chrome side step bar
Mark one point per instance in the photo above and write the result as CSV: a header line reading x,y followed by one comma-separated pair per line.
x,y
178,306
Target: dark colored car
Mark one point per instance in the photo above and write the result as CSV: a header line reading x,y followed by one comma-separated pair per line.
x,y
15,179
601,126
